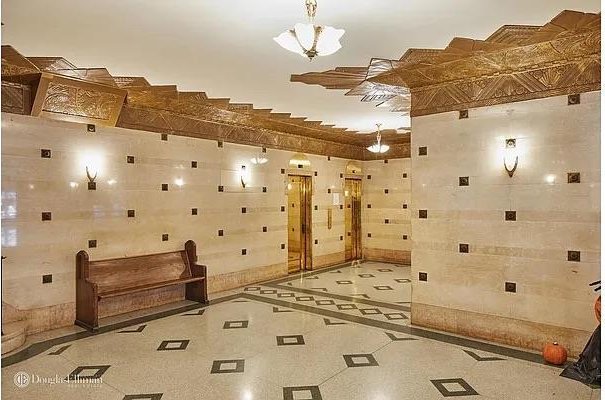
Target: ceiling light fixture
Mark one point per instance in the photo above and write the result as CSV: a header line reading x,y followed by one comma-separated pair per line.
x,y
310,40
378,147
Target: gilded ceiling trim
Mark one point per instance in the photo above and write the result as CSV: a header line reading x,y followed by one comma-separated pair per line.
x,y
515,63
52,87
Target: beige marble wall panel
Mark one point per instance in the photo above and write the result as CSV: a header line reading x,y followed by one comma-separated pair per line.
x,y
552,298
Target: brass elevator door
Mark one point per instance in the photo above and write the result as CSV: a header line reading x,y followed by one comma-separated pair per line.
x,y
352,219
299,223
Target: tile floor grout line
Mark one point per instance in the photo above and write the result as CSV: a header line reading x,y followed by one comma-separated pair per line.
x,y
410,330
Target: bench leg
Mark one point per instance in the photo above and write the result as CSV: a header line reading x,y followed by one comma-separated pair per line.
x,y
197,291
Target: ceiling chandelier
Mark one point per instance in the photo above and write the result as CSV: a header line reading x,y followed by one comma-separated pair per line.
x,y
310,40
378,147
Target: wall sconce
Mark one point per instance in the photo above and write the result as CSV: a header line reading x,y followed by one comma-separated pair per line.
x,y
92,185
244,177
511,157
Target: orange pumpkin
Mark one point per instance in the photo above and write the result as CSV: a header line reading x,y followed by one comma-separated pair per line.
x,y
554,353
597,308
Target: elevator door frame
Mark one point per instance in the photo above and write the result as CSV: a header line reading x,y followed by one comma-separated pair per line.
x,y
305,224
353,219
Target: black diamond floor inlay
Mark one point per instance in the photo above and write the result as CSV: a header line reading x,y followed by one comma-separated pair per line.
x,y
336,272
395,316
302,393
370,311
360,360
59,350
139,329
252,289
86,372
286,295
403,280
325,302
344,282
479,358
383,287
279,310
328,322
148,396
398,338
385,270
268,291
305,298
290,340
346,306
167,345
366,276
455,387
235,324
227,366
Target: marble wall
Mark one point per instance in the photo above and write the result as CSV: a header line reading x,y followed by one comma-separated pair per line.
x,y
522,281
386,200
204,201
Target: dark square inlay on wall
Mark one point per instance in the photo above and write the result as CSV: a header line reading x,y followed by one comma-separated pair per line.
x,y
290,340
423,276
405,206
97,372
194,211
341,237
173,345
573,99
227,366
283,208
45,153
220,144
422,151
48,278
369,235
462,114
386,221
510,287
283,246
243,210
369,206
92,185
164,237
510,215
405,175
130,213
369,177
164,136
264,229
244,252
221,188
573,177
341,176
315,173
316,208
360,360
386,161
193,164
463,248
91,128
463,181
220,232
92,244
302,392
130,159
47,216
573,255
464,388
283,171
164,187
316,241
405,237
386,191
423,214
329,191
264,189
340,206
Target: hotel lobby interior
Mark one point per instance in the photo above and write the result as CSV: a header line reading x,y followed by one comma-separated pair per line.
x,y
301,199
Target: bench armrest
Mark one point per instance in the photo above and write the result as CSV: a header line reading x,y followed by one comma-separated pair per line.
x,y
198,270
87,313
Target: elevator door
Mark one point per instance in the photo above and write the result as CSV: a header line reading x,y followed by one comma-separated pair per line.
x,y
353,219
299,223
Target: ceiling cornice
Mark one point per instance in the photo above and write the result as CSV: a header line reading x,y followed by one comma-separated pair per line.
x,y
52,87
515,63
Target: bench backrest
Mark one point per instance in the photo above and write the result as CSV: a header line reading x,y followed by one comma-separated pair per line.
x,y
127,272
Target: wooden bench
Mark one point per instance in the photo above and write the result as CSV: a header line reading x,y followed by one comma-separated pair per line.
x,y
105,279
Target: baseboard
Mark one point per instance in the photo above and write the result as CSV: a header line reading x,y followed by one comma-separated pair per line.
x,y
232,280
509,331
328,260
387,255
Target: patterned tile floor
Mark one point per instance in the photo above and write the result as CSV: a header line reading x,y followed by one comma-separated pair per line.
x,y
287,339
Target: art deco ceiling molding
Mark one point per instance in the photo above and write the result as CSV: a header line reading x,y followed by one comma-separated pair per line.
x,y
515,63
52,87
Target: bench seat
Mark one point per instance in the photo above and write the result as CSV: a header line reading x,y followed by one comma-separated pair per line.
x,y
108,292
101,280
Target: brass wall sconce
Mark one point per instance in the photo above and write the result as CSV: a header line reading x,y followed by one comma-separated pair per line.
x,y
92,185
511,157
